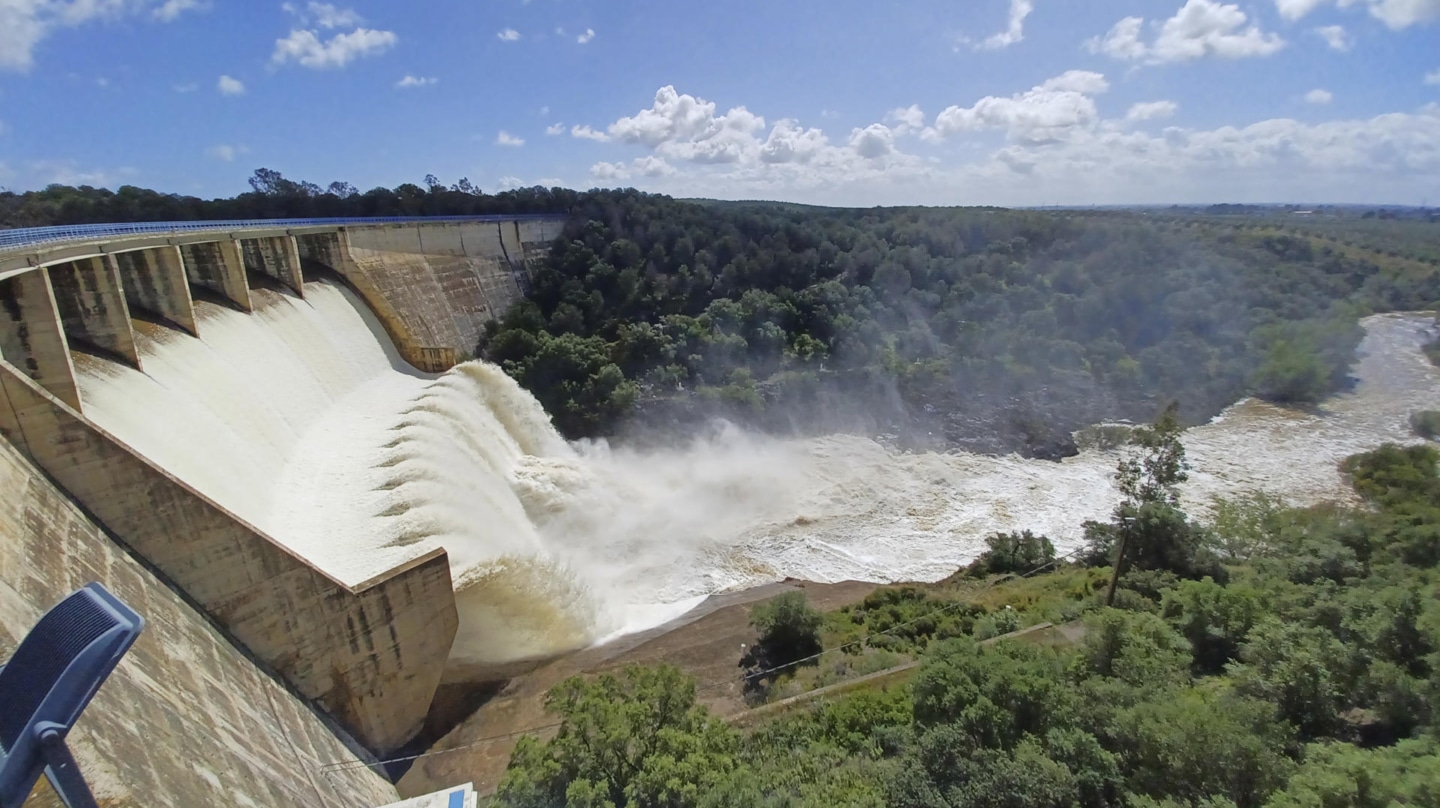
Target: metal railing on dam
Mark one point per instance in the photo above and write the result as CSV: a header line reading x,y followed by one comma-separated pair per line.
x,y
34,236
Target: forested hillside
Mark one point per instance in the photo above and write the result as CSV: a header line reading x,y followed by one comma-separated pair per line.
x,y
983,328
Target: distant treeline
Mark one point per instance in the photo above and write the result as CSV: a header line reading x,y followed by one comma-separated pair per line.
x,y
272,196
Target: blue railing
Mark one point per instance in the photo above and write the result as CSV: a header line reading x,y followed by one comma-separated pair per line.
x,y
33,236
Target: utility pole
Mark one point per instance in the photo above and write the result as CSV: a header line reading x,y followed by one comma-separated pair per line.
x,y
1125,524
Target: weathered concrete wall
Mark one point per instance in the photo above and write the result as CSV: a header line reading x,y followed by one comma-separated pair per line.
x,y
185,720
92,306
275,257
31,337
155,283
372,655
441,282
217,267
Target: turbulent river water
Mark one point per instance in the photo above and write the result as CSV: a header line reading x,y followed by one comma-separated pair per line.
x,y
301,419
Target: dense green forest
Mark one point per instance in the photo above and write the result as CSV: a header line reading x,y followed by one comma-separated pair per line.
x,y
982,328
1271,658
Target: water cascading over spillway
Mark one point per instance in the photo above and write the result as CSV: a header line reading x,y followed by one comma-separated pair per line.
x,y
301,419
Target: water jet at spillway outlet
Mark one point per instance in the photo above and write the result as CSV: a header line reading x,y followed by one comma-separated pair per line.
x,y
301,419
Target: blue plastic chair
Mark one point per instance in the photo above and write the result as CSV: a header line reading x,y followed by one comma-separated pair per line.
x,y
46,685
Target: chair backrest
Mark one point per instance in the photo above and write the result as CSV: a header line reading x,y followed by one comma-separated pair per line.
x,y
52,676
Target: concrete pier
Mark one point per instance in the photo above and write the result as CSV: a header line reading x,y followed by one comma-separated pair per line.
x,y
276,257
217,267
32,338
92,306
155,283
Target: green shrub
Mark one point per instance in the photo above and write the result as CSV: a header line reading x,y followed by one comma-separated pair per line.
x,y
1426,423
789,629
1019,552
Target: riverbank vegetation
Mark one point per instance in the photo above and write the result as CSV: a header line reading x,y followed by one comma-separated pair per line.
x,y
1283,658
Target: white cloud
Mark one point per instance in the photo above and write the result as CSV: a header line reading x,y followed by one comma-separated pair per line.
x,y
1199,29
1319,97
171,9
324,14
24,24
1336,37
1051,111
555,129
1151,110
873,142
416,81
586,37
509,183
1295,9
1396,14
507,139
1014,32
305,47
1432,77
185,87
226,153
508,35
587,133
230,86
906,119
788,142
1058,151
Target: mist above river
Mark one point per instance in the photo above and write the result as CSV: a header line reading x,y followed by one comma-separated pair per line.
x,y
301,419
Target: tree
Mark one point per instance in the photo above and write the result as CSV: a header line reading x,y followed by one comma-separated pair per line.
x,y
637,739
789,632
1148,528
1018,552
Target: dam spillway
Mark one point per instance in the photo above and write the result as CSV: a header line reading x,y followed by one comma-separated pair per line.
x,y
302,419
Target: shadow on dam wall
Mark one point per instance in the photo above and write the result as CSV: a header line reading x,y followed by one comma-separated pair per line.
x,y
371,654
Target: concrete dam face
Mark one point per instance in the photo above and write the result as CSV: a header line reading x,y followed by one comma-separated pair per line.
x,y
302,419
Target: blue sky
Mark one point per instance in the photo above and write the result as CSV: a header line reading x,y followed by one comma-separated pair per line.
x,y
1011,102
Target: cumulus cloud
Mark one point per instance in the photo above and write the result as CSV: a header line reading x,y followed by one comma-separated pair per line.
x,y
507,139
586,133
1396,14
873,142
1014,32
586,37
906,119
1199,29
308,49
230,86
1048,112
555,129
1151,110
416,81
508,35
686,137
1319,97
1336,37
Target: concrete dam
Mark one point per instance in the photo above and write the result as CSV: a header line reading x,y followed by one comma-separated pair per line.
x,y
265,437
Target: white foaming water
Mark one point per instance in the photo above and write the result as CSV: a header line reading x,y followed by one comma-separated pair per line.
x,y
301,419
